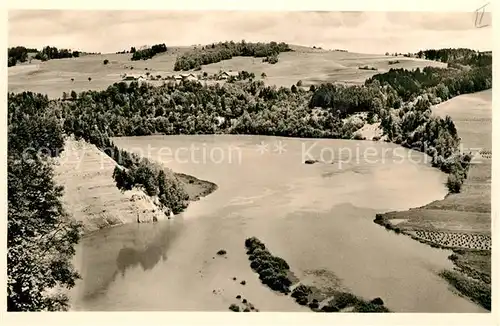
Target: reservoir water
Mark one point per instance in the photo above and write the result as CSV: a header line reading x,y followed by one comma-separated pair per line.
x,y
318,217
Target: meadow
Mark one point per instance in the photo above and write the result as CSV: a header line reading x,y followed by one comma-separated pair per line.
x,y
312,66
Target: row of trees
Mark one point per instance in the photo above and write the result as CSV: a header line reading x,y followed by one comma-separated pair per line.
x,y
49,53
272,270
148,53
195,58
20,54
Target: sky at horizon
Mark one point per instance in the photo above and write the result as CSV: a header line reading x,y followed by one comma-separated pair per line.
x,y
364,32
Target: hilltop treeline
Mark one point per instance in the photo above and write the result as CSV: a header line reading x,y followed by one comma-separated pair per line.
x,y
40,235
49,53
458,56
18,54
208,54
148,53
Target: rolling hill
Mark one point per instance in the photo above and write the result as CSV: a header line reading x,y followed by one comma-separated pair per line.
x,y
312,66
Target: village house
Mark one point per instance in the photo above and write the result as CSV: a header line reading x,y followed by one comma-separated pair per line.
x,y
133,77
189,77
227,74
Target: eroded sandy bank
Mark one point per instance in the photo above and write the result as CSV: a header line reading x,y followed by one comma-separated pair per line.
x,y
92,198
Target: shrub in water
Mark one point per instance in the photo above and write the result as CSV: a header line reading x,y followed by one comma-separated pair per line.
x,y
330,308
234,308
313,305
377,301
345,299
302,301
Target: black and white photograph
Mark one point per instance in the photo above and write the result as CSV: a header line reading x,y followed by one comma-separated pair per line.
x,y
249,161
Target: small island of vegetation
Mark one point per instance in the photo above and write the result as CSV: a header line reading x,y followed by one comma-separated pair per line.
x,y
275,272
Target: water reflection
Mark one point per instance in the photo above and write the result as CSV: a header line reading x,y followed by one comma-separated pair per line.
x,y
132,246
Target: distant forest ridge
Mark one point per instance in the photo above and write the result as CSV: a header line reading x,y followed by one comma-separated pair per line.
x,y
19,54
216,52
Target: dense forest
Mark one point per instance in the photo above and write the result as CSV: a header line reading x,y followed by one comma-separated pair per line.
x,y
148,53
413,126
41,235
457,56
445,83
208,54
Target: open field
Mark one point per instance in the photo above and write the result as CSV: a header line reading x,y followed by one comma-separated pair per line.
x,y
312,66
471,114
462,221
318,66
91,196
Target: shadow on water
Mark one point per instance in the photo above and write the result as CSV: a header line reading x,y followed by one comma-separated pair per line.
x,y
134,246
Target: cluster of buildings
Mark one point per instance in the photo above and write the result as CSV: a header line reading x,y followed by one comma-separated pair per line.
x,y
183,77
180,77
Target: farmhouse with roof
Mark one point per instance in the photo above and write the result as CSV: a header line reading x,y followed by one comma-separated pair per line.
x,y
227,74
133,77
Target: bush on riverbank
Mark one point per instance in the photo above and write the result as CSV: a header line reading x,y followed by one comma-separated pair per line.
x,y
234,308
478,291
343,300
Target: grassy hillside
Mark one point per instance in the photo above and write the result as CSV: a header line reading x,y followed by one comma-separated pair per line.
x,y
312,66
471,114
